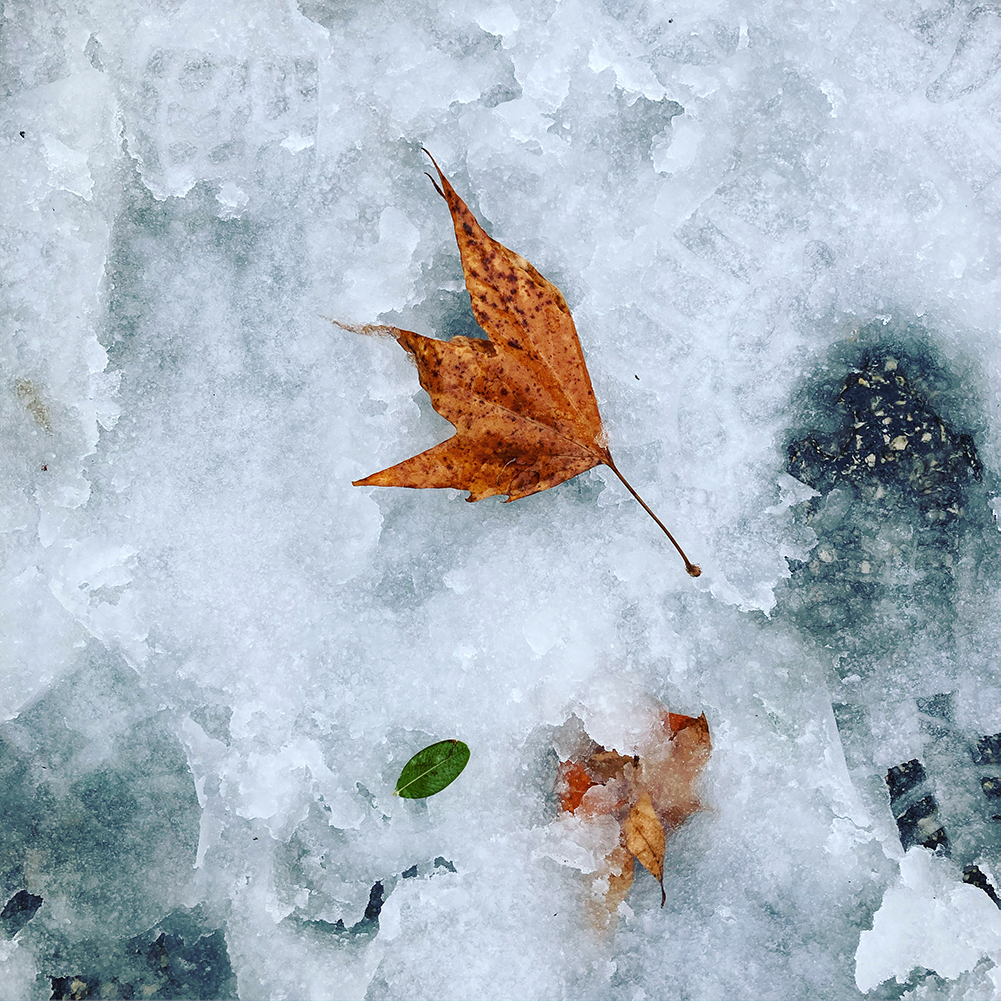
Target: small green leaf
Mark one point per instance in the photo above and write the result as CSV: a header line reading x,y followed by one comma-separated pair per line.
x,y
430,770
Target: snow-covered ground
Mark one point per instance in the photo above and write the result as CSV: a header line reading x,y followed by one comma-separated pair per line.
x,y
217,653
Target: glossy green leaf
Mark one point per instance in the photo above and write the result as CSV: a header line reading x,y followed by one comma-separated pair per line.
x,y
430,770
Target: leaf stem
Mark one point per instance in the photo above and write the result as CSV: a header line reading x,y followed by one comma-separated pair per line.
x,y
693,570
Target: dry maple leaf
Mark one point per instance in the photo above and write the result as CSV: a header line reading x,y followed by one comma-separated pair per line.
x,y
649,794
521,402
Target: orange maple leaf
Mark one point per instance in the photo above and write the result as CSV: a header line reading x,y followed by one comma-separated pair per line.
x,y
649,795
524,412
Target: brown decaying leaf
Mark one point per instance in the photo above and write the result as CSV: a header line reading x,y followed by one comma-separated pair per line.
x,y
649,794
524,412
613,883
671,780
620,877
645,839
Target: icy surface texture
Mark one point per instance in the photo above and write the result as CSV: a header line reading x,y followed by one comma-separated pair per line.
x,y
779,229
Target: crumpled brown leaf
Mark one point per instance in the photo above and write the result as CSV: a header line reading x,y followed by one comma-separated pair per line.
x,y
650,795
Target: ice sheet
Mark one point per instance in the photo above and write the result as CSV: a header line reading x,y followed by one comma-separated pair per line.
x,y
217,654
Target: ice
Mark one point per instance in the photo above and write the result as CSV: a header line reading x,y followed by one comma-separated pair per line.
x,y
929,920
779,230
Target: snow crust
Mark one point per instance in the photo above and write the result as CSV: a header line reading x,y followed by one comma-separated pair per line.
x,y
931,920
217,654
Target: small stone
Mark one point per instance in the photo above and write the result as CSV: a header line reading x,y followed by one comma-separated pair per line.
x,y
899,443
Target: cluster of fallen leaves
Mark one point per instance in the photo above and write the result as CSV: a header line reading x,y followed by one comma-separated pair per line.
x,y
526,419
521,401
649,796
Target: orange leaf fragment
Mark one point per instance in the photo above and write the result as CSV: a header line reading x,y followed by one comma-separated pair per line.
x,y
599,768
676,723
572,784
521,402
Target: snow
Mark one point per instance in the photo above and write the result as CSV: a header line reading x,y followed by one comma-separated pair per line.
x,y
217,654
931,920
